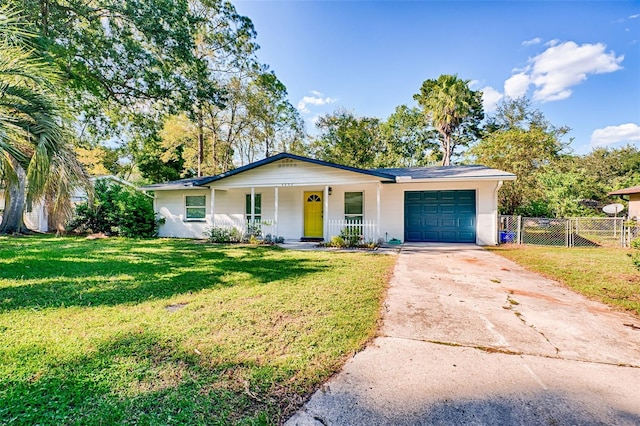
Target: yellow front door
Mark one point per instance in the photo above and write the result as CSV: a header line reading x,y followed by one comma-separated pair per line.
x,y
313,214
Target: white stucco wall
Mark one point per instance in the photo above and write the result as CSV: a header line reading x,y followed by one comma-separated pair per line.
x,y
294,173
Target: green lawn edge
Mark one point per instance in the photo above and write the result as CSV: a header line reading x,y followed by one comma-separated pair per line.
x,y
167,331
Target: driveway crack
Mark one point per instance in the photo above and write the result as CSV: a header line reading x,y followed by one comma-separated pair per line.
x,y
509,306
504,351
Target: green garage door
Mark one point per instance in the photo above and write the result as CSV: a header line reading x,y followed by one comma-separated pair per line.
x,y
440,216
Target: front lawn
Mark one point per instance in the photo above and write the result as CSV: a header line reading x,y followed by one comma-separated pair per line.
x,y
175,332
604,274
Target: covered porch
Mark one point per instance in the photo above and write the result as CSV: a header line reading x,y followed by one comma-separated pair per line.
x,y
298,212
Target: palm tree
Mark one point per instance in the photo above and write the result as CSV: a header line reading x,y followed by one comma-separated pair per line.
x,y
33,139
452,109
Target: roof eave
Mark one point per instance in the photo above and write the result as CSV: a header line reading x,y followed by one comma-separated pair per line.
x,y
170,187
454,179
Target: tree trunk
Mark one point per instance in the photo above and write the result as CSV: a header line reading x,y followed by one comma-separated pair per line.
x,y
14,203
446,158
200,145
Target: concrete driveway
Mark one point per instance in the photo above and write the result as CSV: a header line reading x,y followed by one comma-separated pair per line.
x,y
471,338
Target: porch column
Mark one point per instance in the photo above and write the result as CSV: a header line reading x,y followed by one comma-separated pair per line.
x,y
325,213
378,210
275,214
213,206
253,205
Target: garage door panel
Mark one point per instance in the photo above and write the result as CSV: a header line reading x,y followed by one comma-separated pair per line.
x,y
449,236
431,221
450,222
445,216
412,197
467,236
429,236
447,209
429,197
466,223
430,209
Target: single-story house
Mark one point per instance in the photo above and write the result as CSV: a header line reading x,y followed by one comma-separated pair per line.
x,y
634,200
297,198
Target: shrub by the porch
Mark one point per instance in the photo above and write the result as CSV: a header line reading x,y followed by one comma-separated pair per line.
x,y
116,210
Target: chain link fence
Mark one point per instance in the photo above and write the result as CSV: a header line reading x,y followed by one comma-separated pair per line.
x,y
568,232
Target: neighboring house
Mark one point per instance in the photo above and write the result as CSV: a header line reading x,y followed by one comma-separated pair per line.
x,y
633,194
302,198
38,218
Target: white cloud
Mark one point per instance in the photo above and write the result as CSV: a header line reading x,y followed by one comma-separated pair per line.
x,y
317,99
531,42
637,15
517,85
560,67
629,132
490,98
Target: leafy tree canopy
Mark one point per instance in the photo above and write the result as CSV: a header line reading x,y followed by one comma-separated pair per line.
x,y
453,109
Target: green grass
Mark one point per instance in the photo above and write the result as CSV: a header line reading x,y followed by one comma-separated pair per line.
x,y
175,332
604,274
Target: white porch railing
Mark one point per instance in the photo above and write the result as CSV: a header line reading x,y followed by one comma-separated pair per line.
x,y
367,230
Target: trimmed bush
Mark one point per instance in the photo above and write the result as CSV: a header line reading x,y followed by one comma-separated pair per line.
x,y
116,210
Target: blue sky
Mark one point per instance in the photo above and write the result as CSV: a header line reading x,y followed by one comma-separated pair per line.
x,y
579,62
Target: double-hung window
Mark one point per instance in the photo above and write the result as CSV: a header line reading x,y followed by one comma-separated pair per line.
x,y
195,207
257,212
353,207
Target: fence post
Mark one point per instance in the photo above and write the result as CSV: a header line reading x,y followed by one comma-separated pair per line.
x,y
519,230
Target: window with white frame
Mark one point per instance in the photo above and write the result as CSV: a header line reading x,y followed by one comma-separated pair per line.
x,y
353,207
257,212
195,207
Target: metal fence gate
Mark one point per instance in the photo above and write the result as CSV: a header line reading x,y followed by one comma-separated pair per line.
x,y
568,232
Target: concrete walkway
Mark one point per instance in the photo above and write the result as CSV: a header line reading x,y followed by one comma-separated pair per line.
x,y
472,338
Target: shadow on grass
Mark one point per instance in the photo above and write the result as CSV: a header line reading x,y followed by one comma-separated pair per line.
x,y
45,273
134,378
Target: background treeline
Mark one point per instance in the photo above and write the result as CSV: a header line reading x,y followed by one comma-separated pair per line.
x,y
158,90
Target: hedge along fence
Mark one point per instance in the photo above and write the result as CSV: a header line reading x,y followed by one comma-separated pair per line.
x,y
568,232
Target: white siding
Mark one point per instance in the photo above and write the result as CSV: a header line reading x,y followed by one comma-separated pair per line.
x,y
171,206
293,173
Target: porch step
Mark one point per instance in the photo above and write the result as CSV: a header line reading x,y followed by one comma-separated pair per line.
x,y
311,239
